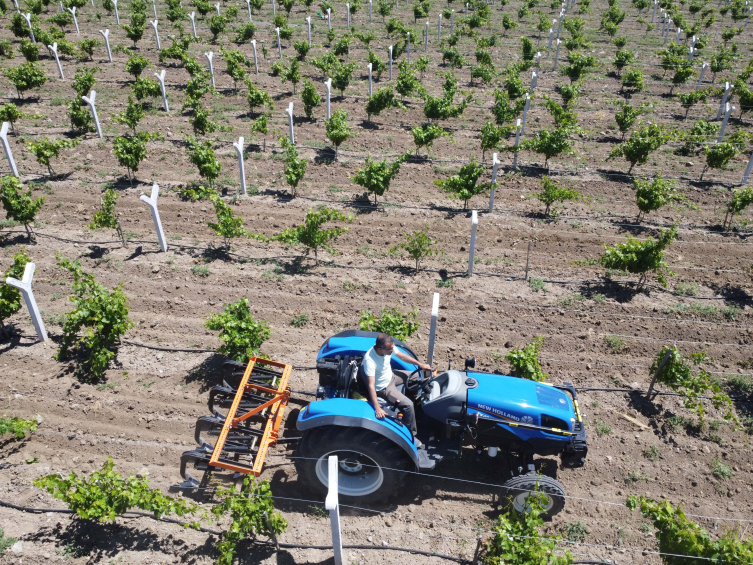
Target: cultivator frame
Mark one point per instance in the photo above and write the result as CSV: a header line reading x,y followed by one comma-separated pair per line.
x,y
250,427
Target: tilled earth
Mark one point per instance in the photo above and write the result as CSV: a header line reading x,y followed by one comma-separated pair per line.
x,y
599,332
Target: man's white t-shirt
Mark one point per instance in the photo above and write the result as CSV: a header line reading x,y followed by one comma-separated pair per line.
x,y
379,367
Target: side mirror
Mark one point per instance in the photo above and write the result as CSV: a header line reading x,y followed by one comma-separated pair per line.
x,y
470,363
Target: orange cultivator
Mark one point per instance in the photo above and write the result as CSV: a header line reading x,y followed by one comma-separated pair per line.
x,y
255,408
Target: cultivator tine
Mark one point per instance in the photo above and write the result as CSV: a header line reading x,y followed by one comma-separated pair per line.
x,y
255,405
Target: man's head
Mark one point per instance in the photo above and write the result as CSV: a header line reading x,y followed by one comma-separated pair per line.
x,y
385,345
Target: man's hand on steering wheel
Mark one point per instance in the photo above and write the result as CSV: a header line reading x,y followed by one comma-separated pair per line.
x,y
425,367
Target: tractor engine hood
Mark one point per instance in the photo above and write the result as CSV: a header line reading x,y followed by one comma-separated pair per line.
x,y
520,400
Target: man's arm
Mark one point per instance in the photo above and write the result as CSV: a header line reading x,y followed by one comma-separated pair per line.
x,y
378,412
408,359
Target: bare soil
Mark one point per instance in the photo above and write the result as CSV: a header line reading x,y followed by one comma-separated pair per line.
x,y
143,414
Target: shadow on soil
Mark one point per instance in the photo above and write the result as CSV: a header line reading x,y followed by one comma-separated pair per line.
x,y
208,373
607,288
99,542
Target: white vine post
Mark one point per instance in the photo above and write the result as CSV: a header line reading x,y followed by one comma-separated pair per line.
x,y
256,63
426,37
217,5
407,45
152,203
24,285
54,49
27,17
690,53
748,18
557,54
472,249
248,5
495,166
329,19
517,142
723,105
274,8
106,35
559,25
525,114
192,15
156,34
154,8
703,72
347,13
75,19
289,112
209,57
748,170
679,32
466,8
433,327
370,13
90,100
390,49
728,111
241,166
653,14
6,148
452,21
534,80
369,66
161,79
439,28
308,24
117,15
538,59
549,46
328,84
332,504
279,43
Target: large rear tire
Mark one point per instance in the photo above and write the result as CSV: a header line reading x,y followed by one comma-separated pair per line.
x,y
518,489
370,465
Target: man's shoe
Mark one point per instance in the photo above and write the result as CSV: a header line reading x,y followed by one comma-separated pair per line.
x,y
417,443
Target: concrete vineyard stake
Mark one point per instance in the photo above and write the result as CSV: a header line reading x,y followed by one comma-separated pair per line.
x,y
154,9
6,148
106,35
328,84
289,112
152,203
426,37
433,327
54,49
331,503
117,15
90,100
279,43
369,11
679,32
534,80
517,142
156,34
27,17
748,169
347,13
329,19
217,5
241,166
703,72
653,14
472,248
525,114
495,166
549,46
308,25
256,63
161,79
728,110
192,15
209,57
407,44
369,66
452,21
390,50
248,5
274,8
690,54
723,105
75,19
557,54
466,9
24,285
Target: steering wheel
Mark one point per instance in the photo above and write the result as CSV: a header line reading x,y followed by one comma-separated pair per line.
x,y
413,383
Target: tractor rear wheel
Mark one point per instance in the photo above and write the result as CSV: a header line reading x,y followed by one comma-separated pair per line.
x,y
518,489
370,465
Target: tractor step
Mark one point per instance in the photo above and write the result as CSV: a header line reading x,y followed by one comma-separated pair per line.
x,y
255,405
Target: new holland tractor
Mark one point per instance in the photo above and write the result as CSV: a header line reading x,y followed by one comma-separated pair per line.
x,y
501,415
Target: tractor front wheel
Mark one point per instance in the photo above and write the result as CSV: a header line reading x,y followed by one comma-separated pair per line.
x,y
369,464
518,489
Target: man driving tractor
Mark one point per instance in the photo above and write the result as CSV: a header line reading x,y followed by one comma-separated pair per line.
x,y
382,381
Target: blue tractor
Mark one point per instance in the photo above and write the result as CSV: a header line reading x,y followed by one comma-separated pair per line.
x,y
490,412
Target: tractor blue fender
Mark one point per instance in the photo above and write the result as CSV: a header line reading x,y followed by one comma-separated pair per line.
x,y
351,413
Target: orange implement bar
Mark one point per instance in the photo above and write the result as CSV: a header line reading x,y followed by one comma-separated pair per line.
x,y
276,405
